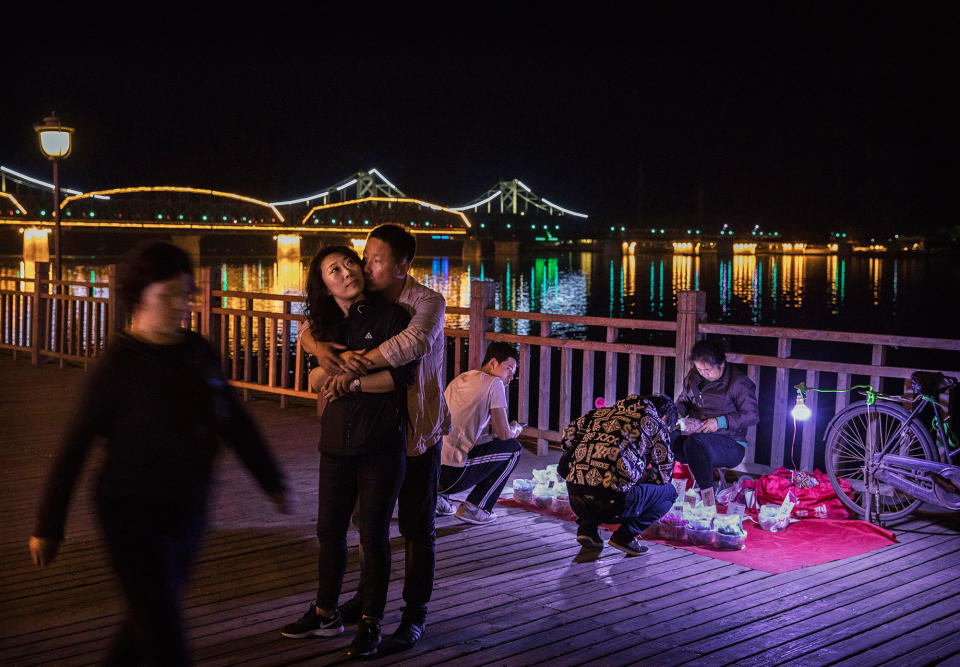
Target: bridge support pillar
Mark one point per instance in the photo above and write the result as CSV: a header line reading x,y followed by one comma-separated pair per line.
x,y
288,247
189,243
472,251
506,247
36,245
289,270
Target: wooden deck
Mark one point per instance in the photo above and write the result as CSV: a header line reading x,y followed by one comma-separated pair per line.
x,y
513,592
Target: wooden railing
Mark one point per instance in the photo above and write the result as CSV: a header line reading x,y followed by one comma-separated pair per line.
x,y
71,322
558,380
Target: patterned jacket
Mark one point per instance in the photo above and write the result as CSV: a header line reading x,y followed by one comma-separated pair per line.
x,y
616,447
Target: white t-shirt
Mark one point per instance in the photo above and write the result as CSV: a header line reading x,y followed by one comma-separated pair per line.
x,y
470,396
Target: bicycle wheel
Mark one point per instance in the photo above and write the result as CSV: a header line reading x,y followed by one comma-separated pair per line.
x,y
861,429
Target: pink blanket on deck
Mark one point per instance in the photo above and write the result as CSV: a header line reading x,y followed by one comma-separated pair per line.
x,y
805,543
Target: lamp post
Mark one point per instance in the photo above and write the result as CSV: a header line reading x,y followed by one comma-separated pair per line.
x,y
55,142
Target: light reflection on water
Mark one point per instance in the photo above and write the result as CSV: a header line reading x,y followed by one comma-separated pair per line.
x,y
884,295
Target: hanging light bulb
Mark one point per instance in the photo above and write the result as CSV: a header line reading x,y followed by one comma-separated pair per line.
x,y
800,411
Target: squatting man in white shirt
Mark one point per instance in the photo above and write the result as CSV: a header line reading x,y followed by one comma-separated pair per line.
x,y
481,449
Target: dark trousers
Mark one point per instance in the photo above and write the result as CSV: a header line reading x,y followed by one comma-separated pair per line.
x,y
151,550
370,481
416,515
635,509
705,451
487,468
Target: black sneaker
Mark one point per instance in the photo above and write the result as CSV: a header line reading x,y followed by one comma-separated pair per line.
x,y
367,639
589,537
406,635
313,624
351,611
631,547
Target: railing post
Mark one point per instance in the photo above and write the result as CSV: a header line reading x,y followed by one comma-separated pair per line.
x,y
206,303
36,310
114,321
482,293
691,311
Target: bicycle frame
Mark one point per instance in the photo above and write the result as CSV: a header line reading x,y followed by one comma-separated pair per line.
x,y
934,482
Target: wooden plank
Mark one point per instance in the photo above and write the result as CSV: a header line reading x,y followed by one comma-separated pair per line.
x,y
830,336
596,346
780,407
248,349
235,354
843,396
610,372
633,374
285,347
586,390
809,442
586,321
749,457
543,402
566,386
658,376
272,342
878,356
523,390
261,350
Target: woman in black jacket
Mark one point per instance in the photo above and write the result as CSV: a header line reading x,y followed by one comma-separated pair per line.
x,y
717,405
362,447
159,398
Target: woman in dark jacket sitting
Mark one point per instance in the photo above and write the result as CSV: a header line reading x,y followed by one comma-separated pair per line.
x,y
717,405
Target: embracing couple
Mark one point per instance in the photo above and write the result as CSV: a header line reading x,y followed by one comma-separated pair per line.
x,y
377,335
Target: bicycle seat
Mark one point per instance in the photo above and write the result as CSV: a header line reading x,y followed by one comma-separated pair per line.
x,y
931,384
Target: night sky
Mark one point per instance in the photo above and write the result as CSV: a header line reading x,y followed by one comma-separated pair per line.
x,y
809,117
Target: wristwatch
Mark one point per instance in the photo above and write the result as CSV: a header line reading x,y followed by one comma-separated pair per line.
x,y
355,385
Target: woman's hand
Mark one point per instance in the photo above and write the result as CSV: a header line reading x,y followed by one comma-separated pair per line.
x,y
355,362
43,550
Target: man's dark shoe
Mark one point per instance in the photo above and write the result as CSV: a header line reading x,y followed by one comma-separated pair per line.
x,y
312,624
351,611
589,537
631,546
367,639
406,635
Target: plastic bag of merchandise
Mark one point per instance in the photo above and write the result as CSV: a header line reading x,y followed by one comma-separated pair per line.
x,y
672,525
700,524
730,532
543,496
523,491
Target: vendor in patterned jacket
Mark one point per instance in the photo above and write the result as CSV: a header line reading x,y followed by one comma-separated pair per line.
x,y
618,464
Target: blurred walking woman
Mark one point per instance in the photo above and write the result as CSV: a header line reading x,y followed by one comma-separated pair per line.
x,y
362,447
159,398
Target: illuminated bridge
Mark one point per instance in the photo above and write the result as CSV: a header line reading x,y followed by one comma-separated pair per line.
x,y
95,222
101,221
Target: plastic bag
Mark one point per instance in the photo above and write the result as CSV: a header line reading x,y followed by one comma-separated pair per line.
x,y
672,525
730,532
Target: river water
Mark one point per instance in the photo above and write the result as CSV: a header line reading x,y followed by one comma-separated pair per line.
x,y
912,295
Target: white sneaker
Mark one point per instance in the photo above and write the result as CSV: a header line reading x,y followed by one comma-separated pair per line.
x,y
444,506
470,513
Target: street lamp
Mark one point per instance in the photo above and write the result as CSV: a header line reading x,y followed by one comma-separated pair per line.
x,y
55,142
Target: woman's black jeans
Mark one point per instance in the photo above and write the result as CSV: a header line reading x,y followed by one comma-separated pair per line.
x,y
705,451
374,481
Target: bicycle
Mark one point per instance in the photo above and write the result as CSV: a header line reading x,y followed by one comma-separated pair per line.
x,y
888,456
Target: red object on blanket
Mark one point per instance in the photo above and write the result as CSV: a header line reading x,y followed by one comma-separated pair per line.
x,y
802,544
818,501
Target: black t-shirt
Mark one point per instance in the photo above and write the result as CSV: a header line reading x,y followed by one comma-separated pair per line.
x,y
362,422
162,410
